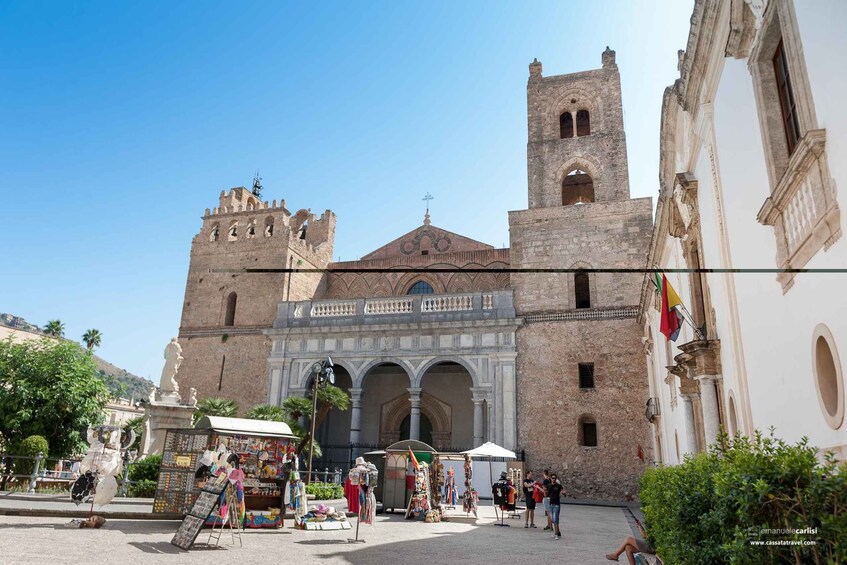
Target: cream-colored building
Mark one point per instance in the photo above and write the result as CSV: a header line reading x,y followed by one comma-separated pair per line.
x,y
753,150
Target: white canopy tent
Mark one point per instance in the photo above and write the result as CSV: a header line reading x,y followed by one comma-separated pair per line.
x,y
490,450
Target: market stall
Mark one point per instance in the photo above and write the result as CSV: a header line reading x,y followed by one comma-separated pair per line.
x,y
263,451
400,476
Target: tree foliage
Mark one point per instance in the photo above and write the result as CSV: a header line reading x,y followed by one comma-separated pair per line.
x,y
48,388
214,406
92,339
725,505
137,425
55,328
31,447
282,414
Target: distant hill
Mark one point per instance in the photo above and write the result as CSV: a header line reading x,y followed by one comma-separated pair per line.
x,y
121,383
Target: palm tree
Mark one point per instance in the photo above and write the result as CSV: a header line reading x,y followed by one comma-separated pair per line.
x,y
329,397
214,406
54,328
92,339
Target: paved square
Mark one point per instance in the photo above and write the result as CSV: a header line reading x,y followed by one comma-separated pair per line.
x,y
589,533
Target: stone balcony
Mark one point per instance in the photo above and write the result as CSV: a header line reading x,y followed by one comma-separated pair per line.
x,y
421,308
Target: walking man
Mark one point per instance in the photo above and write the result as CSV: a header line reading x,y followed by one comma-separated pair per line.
x,y
554,492
528,490
546,501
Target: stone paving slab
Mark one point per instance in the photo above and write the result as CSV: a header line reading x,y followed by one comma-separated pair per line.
x,y
589,533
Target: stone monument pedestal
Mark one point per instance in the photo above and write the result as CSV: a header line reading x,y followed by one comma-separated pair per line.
x,y
160,415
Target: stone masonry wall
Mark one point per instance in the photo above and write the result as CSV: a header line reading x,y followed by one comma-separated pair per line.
x,y
597,235
550,404
245,373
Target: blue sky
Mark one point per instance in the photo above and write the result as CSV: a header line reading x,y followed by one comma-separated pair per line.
x,y
121,122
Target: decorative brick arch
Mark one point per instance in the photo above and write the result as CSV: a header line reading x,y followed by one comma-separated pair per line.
x,y
305,378
583,162
406,282
359,379
421,372
584,101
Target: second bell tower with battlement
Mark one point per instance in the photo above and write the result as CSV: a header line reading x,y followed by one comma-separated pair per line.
x,y
226,310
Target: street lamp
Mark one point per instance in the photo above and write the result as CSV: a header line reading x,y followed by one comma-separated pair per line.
x,y
323,374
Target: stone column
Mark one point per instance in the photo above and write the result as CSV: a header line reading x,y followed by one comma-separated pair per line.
x,y
415,421
709,404
690,425
355,415
477,422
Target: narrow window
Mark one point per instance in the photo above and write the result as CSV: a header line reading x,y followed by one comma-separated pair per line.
x,y
577,188
215,233
588,432
582,290
586,375
583,123
269,227
786,98
566,125
233,232
421,287
251,230
229,320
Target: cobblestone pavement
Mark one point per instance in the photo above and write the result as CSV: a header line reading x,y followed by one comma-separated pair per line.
x,y
589,533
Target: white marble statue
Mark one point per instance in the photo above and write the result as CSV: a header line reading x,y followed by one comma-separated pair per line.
x,y
173,358
192,397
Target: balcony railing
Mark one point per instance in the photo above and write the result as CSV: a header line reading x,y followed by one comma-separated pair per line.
x,y
427,307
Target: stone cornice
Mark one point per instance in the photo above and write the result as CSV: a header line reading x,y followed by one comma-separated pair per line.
x,y
701,357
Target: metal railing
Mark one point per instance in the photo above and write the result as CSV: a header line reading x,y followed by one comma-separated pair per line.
x,y
40,475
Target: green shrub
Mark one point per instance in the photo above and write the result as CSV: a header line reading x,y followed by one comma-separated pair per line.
x,y
146,469
325,491
144,488
712,507
30,447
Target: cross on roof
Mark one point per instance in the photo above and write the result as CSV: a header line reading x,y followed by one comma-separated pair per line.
x,y
427,198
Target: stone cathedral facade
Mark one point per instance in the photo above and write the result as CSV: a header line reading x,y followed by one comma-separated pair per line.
x,y
548,364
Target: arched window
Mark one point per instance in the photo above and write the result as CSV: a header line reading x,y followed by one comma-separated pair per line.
x,y
583,123
587,431
251,229
216,230
233,232
229,319
565,125
582,290
269,227
577,188
421,287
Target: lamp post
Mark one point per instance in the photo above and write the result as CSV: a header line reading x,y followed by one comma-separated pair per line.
x,y
323,374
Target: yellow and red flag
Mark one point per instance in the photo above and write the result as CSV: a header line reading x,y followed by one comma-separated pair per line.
x,y
671,318
414,459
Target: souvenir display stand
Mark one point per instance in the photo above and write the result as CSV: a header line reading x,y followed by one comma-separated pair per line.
x,y
470,498
265,452
396,492
365,476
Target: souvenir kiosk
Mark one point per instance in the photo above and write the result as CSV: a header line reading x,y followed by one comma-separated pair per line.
x,y
266,455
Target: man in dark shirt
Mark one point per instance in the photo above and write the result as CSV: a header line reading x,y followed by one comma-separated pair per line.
x,y
528,490
546,483
554,491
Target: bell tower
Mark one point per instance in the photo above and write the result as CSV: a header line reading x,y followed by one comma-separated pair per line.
x,y
580,367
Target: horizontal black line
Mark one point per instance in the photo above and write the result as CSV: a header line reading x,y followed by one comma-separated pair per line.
x,y
523,270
